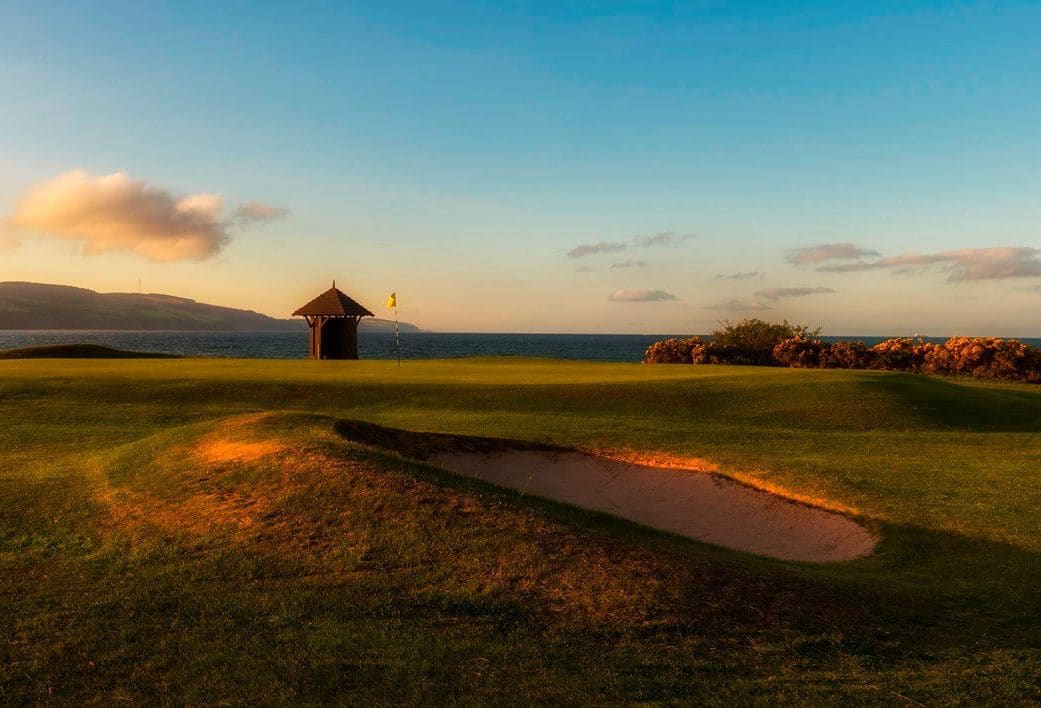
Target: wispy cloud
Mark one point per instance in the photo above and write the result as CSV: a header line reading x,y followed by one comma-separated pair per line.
x,y
738,306
589,249
252,212
829,252
584,269
630,264
116,213
662,238
774,294
640,296
965,264
748,275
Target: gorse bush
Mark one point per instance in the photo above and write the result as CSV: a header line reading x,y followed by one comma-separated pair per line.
x,y
671,351
901,354
985,358
782,344
847,355
802,353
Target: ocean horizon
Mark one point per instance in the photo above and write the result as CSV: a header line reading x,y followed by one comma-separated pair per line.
x,y
376,345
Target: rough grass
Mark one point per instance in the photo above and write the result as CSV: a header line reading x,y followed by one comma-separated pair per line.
x,y
77,351
196,531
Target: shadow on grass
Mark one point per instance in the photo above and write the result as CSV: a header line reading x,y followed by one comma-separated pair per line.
x,y
963,405
958,590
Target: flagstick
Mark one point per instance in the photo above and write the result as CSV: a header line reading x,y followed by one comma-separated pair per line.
x,y
397,337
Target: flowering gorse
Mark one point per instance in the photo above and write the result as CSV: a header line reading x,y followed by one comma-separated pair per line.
x,y
979,357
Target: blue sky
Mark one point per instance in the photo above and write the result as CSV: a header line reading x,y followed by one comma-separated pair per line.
x,y
457,154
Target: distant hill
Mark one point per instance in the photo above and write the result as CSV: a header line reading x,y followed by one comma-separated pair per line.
x,y
39,306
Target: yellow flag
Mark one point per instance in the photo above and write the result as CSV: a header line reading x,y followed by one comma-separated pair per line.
x,y
392,301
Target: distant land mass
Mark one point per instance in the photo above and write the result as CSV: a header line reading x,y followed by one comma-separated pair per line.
x,y
40,306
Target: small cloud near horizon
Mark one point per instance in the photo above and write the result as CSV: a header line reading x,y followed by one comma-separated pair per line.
x,y
662,238
116,213
774,294
630,264
829,252
996,263
738,306
641,296
748,275
253,212
589,249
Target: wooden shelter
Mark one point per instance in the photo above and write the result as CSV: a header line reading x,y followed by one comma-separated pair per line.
x,y
333,318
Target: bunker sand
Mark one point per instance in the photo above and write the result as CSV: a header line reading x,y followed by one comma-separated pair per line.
x,y
701,505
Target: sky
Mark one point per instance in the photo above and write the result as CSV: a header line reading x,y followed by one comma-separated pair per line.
x,y
868,167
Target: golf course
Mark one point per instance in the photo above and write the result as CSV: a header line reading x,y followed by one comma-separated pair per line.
x,y
210,530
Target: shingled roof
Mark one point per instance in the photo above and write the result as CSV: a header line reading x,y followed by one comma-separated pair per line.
x,y
333,303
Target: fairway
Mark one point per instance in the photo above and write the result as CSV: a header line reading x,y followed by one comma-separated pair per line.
x,y
198,530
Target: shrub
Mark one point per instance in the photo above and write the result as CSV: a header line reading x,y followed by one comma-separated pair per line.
x,y
671,351
763,343
802,353
752,341
847,355
901,354
715,353
1033,365
985,358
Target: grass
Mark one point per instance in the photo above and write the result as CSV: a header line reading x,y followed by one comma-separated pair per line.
x,y
77,351
194,530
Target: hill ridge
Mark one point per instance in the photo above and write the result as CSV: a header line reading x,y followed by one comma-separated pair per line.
x,y
26,305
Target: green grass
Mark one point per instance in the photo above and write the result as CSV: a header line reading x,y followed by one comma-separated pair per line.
x,y
135,565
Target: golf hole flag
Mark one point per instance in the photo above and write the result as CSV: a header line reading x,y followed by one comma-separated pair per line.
x,y
392,303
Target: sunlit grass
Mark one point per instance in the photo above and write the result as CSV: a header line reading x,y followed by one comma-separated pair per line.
x,y
194,530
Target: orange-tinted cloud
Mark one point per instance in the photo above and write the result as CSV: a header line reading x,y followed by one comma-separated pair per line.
x,y
116,213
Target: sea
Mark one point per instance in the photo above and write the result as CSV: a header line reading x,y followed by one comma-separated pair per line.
x,y
371,345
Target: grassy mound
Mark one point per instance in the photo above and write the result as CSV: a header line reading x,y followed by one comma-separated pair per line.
x,y
167,533
78,351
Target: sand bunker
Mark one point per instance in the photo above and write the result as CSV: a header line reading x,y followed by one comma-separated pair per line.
x,y
699,505
693,503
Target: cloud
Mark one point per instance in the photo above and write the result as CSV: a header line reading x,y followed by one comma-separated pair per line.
x,y
748,275
583,269
965,264
829,252
662,238
774,294
115,213
738,306
641,296
252,212
589,249
630,264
